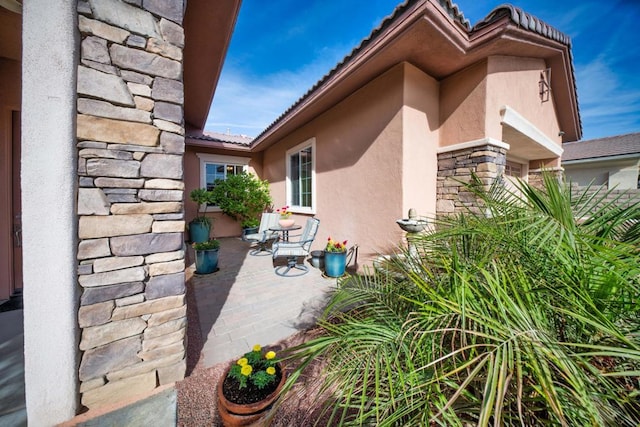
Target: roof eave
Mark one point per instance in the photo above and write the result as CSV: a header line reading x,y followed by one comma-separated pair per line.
x,y
208,31
469,46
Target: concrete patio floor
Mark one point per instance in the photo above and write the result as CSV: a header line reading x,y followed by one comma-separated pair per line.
x,y
246,303
242,304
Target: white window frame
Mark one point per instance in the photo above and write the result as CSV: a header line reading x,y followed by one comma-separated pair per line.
x,y
206,158
294,208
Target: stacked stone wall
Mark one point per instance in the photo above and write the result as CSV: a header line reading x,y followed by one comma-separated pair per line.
x,y
455,170
130,141
606,197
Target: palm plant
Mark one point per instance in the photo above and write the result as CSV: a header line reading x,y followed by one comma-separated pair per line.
x,y
525,315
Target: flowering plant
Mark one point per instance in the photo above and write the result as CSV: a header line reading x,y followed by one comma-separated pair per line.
x,y
255,367
206,245
284,212
335,246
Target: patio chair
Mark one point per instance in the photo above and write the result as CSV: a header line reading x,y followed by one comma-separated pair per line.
x,y
264,235
294,250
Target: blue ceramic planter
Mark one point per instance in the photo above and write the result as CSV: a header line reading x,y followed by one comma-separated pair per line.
x,y
198,232
335,263
206,261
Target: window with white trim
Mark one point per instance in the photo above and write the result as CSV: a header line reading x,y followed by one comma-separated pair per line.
x,y
301,179
213,167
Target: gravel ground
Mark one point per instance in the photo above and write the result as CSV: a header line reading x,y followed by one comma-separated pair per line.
x,y
197,392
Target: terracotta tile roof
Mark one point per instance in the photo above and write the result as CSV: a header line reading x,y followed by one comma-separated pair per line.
x,y
517,15
524,20
222,137
452,10
611,146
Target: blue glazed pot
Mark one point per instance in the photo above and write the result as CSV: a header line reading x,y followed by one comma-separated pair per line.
x,y
335,263
198,232
206,261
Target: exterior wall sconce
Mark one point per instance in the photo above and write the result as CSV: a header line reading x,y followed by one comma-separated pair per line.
x,y
545,85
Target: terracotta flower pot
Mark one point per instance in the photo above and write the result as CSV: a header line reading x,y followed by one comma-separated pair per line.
x,y
286,222
252,414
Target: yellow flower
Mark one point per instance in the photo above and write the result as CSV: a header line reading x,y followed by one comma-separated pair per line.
x,y
271,370
242,362
246,370
270,355
257,348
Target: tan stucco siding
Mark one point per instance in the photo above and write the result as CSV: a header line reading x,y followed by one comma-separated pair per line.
x,y
514,81
463,105
421,125
358,166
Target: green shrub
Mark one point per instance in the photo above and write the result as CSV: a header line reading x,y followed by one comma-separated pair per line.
x,y
526,315
243,197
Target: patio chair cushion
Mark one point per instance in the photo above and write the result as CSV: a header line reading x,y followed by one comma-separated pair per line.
x,y
267,221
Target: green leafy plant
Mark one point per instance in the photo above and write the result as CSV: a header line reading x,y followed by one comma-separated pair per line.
x,y
250,223
206,245
202,198
243,197
526,313
255,367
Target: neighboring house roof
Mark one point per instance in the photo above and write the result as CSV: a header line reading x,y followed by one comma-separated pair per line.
x,y
602,148
452,46
220,140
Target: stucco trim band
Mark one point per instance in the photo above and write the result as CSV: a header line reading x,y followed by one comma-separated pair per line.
x,y
473,144
512,118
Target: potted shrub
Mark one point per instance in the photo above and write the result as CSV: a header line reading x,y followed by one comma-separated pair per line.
x,y
335,258
249,387
206,256
200,226
243,197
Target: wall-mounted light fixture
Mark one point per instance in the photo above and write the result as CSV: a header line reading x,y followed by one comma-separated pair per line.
x,y
545,85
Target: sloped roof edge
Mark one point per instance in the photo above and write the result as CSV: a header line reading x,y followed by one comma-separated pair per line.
x,y
515,14
452,10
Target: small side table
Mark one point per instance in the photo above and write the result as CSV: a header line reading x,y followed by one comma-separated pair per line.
x,y
285,230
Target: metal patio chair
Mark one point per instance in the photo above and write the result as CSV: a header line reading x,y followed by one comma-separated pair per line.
x,y
294,250
264,235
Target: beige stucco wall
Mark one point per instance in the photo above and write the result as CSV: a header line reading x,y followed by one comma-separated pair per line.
x,y
472,99
359,166
421,125
514,81
463,105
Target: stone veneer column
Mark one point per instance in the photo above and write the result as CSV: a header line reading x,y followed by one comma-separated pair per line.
x,y
535,176
130,141
486,158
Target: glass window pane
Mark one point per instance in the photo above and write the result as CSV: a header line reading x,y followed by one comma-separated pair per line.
x,y
301,169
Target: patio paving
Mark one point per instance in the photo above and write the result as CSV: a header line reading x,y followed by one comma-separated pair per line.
x,y
246,303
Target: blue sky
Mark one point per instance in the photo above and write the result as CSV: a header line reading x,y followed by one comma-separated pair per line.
x,y
281,48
